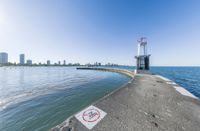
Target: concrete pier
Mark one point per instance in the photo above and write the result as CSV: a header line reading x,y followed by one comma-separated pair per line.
x,y
121,71
147,103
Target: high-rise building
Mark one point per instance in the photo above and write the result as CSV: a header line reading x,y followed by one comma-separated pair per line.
x,y
48,62
21,59
58,62
3,58
29,62
64,62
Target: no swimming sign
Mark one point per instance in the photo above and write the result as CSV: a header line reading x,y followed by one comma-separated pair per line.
x,y
90,116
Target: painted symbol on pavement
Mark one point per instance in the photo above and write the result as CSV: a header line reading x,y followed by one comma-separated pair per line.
x,y
90,116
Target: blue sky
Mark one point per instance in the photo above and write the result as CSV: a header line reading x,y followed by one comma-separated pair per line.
x,y
101,30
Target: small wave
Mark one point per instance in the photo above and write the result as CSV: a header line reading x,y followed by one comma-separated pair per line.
x,y
5,102
44,90
188,79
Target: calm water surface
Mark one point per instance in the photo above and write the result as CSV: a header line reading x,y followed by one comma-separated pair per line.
x,y
38,98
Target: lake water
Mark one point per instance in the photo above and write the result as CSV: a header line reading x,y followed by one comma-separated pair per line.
x,y
38,98
187,77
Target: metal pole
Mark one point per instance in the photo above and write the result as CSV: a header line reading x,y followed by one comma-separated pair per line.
x,y
138,48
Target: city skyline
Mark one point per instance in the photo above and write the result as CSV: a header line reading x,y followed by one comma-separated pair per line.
x,y
4,59
4,56
105,31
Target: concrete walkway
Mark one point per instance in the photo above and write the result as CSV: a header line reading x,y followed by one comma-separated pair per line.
x,y
147,103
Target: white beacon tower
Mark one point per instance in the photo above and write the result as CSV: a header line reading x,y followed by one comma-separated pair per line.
x,y
142,58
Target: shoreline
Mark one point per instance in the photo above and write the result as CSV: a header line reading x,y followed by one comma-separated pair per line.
x,y
178,88
71,123
66,123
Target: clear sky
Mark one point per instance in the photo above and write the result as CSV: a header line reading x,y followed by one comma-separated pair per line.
x,y
101,30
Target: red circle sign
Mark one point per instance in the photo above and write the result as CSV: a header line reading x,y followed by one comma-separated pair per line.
x,y
91,115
